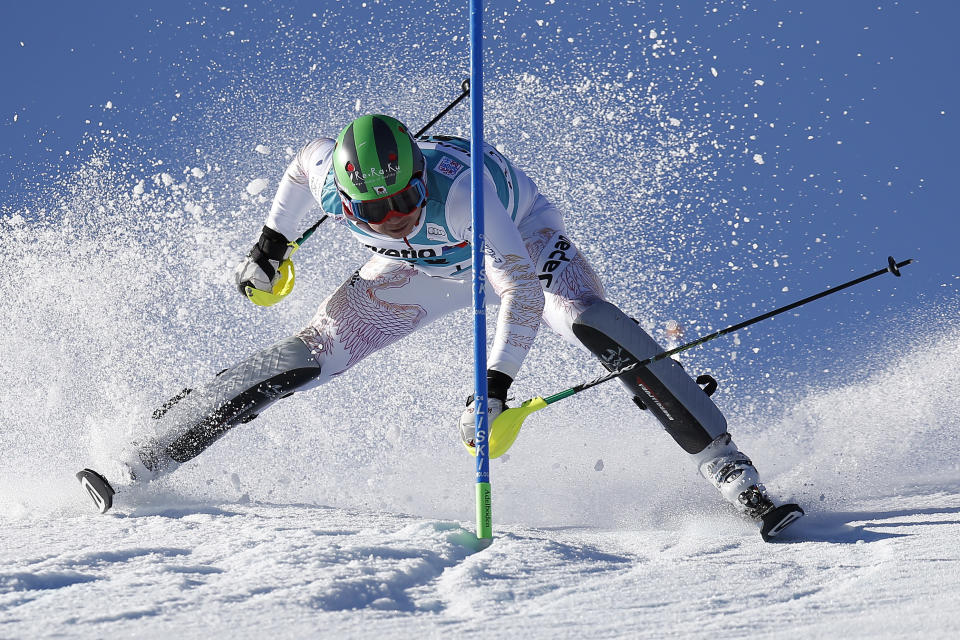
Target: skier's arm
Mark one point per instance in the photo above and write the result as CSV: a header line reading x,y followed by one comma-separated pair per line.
x,y
509,270
512,274
293,198
292,201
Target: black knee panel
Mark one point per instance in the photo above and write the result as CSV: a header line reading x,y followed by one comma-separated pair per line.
x,y
681,406
198,418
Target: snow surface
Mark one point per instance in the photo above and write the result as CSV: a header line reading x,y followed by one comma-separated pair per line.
x,y
885,569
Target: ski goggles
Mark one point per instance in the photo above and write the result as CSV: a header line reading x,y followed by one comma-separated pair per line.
x,y
401,203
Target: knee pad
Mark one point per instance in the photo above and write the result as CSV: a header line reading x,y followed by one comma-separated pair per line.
x,y
194,419
685,411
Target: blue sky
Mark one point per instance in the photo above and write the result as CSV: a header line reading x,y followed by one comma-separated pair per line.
x,y
850,107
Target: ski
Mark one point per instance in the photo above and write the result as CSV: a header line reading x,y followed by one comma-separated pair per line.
x,y
774,521
98,488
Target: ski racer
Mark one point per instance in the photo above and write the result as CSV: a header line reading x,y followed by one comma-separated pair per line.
x,y
409,202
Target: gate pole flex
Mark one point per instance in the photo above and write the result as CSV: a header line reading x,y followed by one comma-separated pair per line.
x,y
484,505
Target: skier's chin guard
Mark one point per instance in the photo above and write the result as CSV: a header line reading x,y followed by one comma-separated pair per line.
x,y
681,406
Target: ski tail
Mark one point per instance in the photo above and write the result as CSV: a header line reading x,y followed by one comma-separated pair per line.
x,y
98,488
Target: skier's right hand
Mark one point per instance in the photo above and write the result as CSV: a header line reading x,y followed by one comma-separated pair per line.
x,y
467,423
498,384
260,268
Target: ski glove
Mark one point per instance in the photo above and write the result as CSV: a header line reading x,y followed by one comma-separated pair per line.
x,y
259,269
497,386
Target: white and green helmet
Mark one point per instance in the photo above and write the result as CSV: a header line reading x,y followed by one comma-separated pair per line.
x,y
375,157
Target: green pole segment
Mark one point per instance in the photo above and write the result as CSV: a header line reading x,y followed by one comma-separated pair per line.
x,y
559,396
484,511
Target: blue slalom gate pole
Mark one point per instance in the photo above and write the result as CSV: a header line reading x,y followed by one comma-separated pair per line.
x,y
484,504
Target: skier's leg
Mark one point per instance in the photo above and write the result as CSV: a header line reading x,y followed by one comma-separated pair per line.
x,y
197,418
575,309
681,406
380,304
674,398
569,283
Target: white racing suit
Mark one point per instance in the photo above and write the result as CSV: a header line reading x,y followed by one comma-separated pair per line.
x,y
532,267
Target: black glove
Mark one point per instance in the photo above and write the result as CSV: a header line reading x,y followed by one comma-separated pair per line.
x,y
259,269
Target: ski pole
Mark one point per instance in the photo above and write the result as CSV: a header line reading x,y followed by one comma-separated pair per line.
x,y
507,425
465,91
309,232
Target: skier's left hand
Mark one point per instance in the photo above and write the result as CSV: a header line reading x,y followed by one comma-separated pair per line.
x,y
498,384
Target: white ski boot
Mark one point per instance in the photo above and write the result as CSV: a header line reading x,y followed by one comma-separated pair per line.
x,y
734,475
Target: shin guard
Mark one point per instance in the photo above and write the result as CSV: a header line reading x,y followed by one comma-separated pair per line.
x,y
195,419
681,406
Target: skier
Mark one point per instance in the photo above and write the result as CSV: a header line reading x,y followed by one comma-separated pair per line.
x,y
408,201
